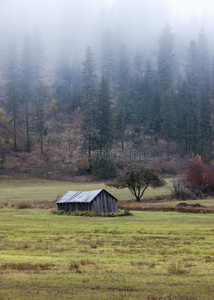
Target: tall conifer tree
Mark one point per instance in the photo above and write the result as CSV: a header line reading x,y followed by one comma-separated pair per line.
x,y
40,93
89,100
103,119
204,91
27,83
13,93
123,90
166,74
166,60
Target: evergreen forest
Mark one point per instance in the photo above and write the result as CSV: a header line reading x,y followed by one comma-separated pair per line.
x,y
113,97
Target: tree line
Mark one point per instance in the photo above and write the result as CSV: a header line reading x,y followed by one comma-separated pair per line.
x,y
162,95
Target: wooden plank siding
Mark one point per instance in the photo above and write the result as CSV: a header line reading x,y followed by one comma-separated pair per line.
x,y
102,203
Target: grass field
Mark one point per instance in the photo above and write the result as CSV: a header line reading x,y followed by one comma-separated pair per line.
x,y
145,256
49,190
18,190
150,255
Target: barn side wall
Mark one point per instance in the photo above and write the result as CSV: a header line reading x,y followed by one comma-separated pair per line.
x,y
74,206
104,203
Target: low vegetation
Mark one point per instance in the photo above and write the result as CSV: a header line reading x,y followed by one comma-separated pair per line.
x,y
197,181
149,255
91,213
200,177
104,167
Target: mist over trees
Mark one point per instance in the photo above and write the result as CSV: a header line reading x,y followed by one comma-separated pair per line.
x,y
128,64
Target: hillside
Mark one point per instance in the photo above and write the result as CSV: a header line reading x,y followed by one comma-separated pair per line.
x,y
153,109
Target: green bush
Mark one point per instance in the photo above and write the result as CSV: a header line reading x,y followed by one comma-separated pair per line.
x,y
104,167
138,144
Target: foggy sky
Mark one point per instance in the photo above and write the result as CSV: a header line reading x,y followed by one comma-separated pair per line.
x,y
69,26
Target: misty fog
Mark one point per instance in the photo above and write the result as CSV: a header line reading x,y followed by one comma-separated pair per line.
x,y
67,27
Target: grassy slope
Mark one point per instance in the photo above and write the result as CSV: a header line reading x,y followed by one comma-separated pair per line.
x,y
47,256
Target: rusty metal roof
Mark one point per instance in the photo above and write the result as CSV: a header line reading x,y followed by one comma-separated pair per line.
x,y
77,196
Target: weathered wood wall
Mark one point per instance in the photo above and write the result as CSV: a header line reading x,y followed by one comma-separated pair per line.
x,y
103,203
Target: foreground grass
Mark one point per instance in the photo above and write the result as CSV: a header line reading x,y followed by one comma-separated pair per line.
x,y
49,190
145,256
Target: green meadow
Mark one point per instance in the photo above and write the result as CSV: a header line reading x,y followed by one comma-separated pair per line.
x,y
18,190
49,190
149,255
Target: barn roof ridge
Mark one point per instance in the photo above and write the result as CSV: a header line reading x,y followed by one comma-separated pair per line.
x,y
81,196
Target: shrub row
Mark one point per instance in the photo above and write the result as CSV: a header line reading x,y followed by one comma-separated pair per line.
x,y
90,213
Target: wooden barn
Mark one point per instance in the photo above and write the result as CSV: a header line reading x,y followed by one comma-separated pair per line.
x,y
99,201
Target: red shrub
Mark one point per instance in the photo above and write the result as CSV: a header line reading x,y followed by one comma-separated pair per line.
x,y
200,176
195,173
166,167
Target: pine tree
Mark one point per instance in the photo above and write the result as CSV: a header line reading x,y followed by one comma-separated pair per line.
x,y
89,100
123,90
27,83
212,78
138,63
13,93
203,58
108,59
193,107
148,93
39,104
76,93
193,101
103,119
37,56
205,118
165,75
135,107
62,86
192,64
204,91
168,120
185,121
155,110
166,60
67,87
40,93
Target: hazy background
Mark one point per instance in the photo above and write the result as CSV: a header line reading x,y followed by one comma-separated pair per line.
x,y
68,26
